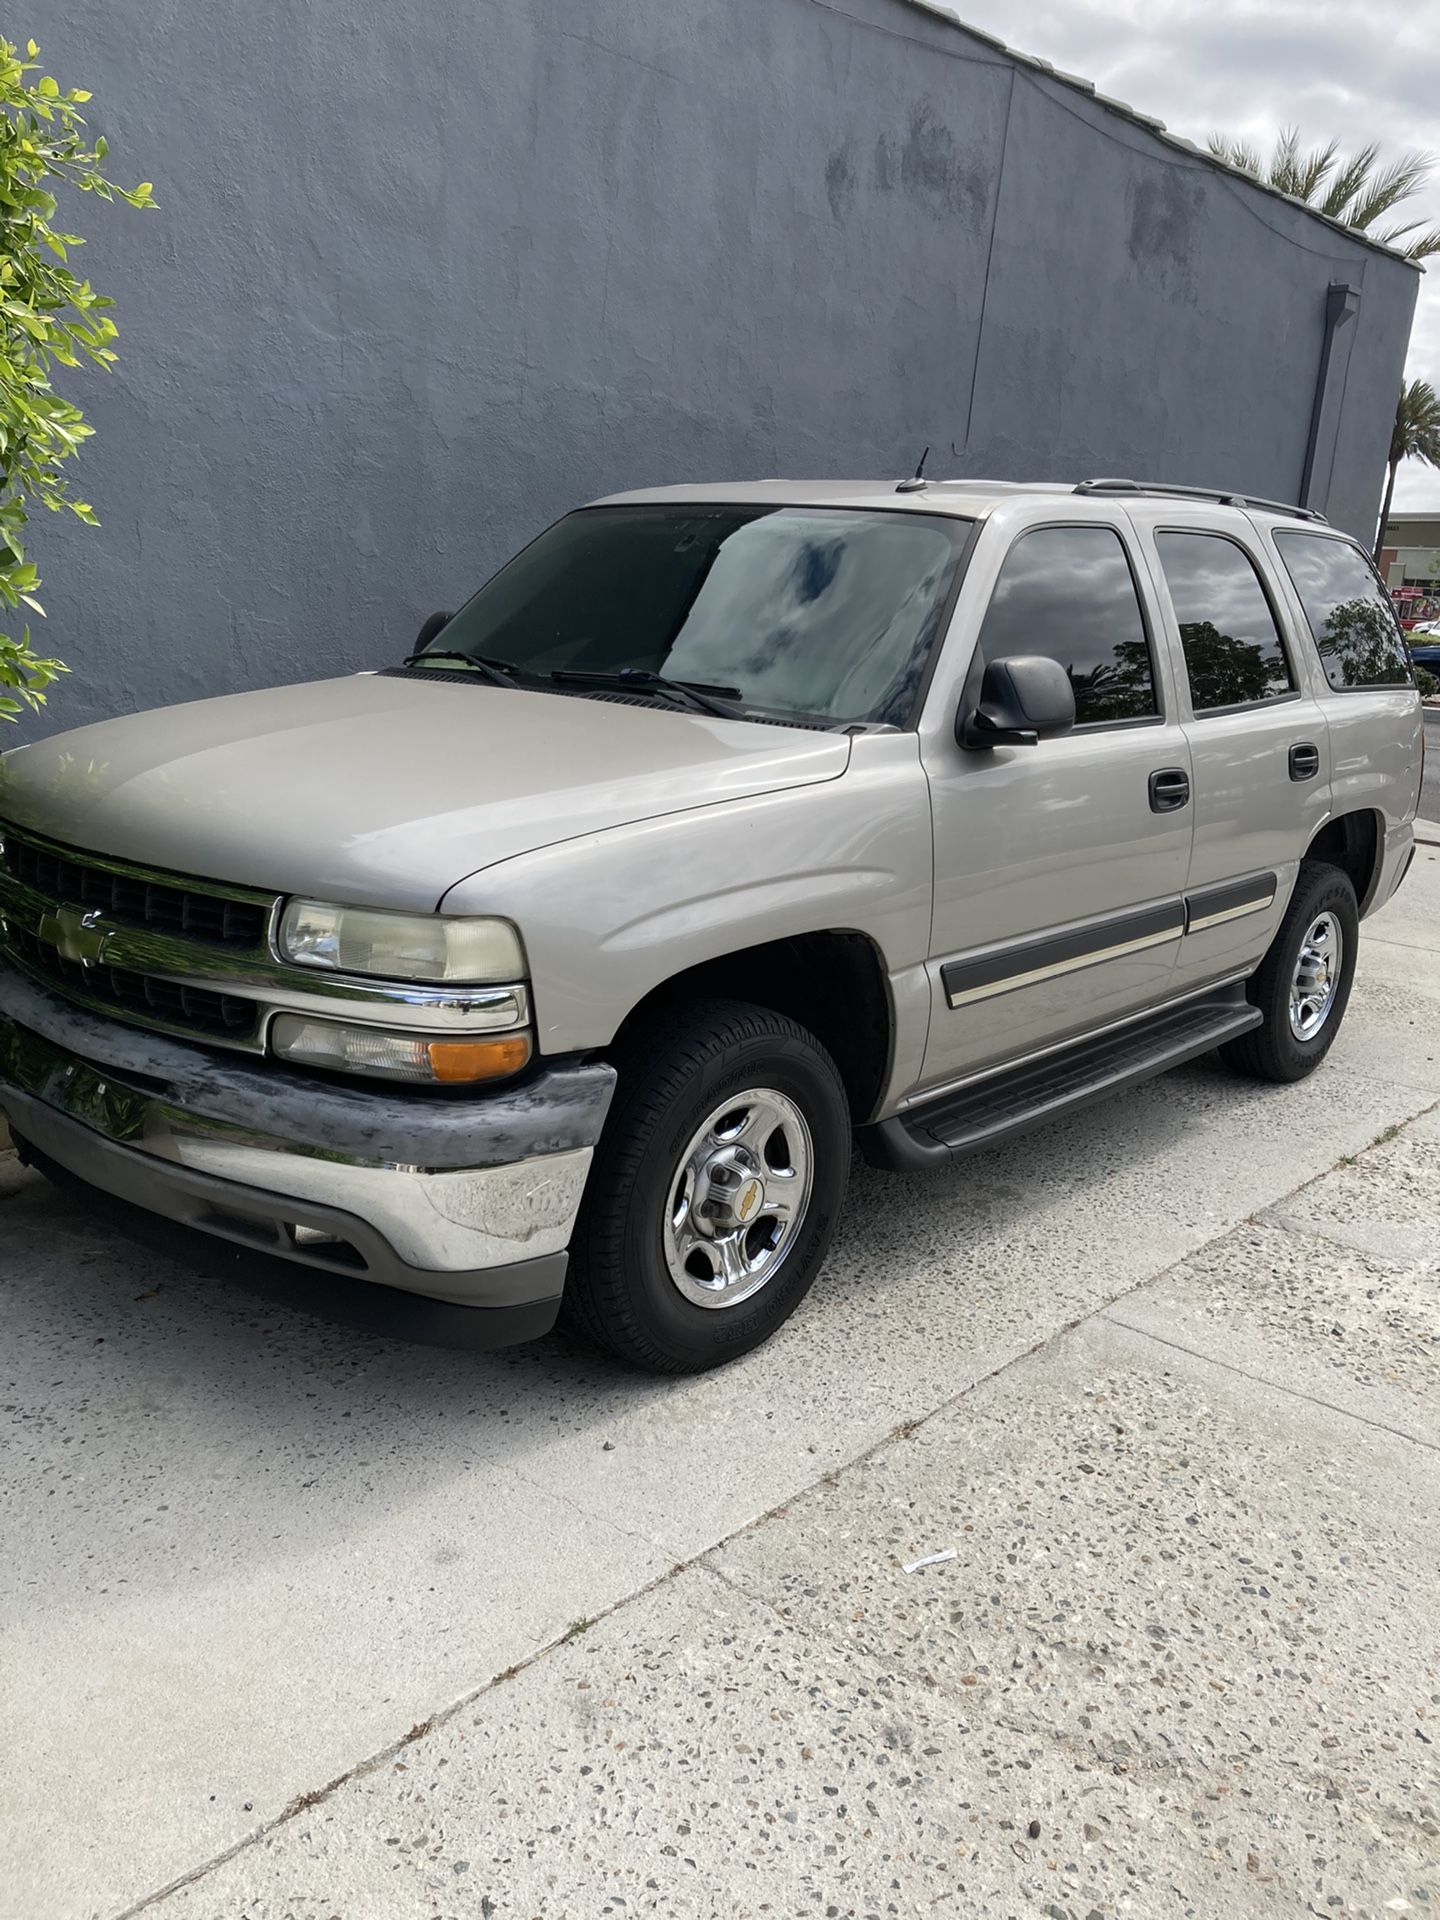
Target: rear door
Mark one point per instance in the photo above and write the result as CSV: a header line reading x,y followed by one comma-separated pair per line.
x,y
1259,746
1376,730
1059,867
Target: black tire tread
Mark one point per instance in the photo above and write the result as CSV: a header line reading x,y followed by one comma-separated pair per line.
x,y
1267,1052
655,1064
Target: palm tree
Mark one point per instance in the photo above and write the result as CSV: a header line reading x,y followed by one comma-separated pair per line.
x,y
1357,192
1415,436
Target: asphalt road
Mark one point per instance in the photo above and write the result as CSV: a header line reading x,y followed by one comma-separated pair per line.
x,y
301,1620
1430,786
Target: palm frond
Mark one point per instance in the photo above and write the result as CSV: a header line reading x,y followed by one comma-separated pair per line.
x,y
1283,165
1297,173
1383,190
1423,247
1312,170
1356,191
1348,182
1236,153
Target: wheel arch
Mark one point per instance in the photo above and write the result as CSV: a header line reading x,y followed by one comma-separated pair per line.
x,y
1354,842
834,983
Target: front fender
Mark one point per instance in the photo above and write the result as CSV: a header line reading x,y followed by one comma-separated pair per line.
x,y
609,917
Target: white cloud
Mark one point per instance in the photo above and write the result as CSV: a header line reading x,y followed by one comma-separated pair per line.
x,y
1250,67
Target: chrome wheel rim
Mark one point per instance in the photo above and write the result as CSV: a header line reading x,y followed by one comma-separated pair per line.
x,y
1317,976
738,1199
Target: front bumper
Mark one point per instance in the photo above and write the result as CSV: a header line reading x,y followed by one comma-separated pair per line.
x,y
470,1202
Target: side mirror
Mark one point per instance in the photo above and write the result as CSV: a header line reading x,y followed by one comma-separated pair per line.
x,y
1022,697
429,627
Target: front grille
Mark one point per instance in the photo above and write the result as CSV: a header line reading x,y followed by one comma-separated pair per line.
x,y
196,1009
158,906
137,944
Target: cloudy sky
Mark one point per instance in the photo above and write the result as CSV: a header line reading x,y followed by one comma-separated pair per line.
x,y
1249,67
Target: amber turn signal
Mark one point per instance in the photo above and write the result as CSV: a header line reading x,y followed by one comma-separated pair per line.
x,y
397,1056
454,1061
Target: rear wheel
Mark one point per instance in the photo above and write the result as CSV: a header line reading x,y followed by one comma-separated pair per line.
x,y
1303,984
715,1190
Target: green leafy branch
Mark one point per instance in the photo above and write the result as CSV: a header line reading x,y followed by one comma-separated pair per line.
x,y
49,317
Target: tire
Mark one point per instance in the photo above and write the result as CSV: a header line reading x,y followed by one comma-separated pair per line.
x,y
1274,1050
687,1076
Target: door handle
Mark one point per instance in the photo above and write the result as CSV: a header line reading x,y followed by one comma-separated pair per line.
x,y
1169,789
1304,760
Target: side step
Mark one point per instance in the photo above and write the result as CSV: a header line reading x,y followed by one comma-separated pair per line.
x,y
1011,1102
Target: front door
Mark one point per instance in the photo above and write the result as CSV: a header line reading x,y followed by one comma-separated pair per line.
x,y
1059,868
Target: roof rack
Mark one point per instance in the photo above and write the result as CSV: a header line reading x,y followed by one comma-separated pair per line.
x,y
1225,499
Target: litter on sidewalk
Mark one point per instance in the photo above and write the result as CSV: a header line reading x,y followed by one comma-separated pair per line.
x,y
930,1560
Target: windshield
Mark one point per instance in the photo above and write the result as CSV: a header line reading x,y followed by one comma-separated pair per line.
x,y
808,611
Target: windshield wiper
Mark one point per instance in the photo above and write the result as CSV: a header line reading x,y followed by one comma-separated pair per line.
x,y
500,672
698,695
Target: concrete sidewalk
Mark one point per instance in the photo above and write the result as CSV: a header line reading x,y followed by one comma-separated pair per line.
x,y
299,1618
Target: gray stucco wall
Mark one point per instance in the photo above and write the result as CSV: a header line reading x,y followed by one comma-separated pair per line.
x,y
426,274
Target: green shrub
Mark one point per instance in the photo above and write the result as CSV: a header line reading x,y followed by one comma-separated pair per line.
x,y
1427,683
48,317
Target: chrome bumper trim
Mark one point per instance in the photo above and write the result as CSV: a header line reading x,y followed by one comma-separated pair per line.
x,y
560,1107
371,1224
447,1187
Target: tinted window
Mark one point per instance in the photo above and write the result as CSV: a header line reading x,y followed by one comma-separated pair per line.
x,y
801,610
1068,592
1349,612
1233,652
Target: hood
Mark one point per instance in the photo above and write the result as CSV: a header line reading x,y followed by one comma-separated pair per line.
x,y
386,790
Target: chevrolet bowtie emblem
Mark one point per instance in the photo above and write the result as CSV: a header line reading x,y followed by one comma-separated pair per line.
x,y
74,935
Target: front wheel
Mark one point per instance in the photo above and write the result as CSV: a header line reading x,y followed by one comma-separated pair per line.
x,y
1302,986
715,1190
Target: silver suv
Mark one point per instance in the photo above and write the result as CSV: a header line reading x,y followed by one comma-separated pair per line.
x,y
556,968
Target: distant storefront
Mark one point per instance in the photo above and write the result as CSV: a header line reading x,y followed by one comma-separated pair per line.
x,y
1410,564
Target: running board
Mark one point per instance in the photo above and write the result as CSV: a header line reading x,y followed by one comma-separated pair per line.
x,y
1011,1102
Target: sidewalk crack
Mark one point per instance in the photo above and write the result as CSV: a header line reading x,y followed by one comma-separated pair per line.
x,y
1261,1380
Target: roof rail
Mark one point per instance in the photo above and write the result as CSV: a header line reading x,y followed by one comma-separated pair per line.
x,y
1225,499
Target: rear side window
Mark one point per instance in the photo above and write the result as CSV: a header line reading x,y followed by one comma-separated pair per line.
x,y
1349,612
1068,592
1233,652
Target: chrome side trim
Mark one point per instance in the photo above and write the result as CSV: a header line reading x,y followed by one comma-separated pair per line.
x,y
1229,913
1057,967
1230,900
1021,963
970,978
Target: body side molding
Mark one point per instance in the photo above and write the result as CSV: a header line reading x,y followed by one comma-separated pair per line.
x,y
1030,960
1229,901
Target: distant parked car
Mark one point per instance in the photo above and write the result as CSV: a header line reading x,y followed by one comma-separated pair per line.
x,y
1423,641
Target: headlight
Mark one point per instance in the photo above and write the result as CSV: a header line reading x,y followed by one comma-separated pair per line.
x,y
400,946
396,1056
